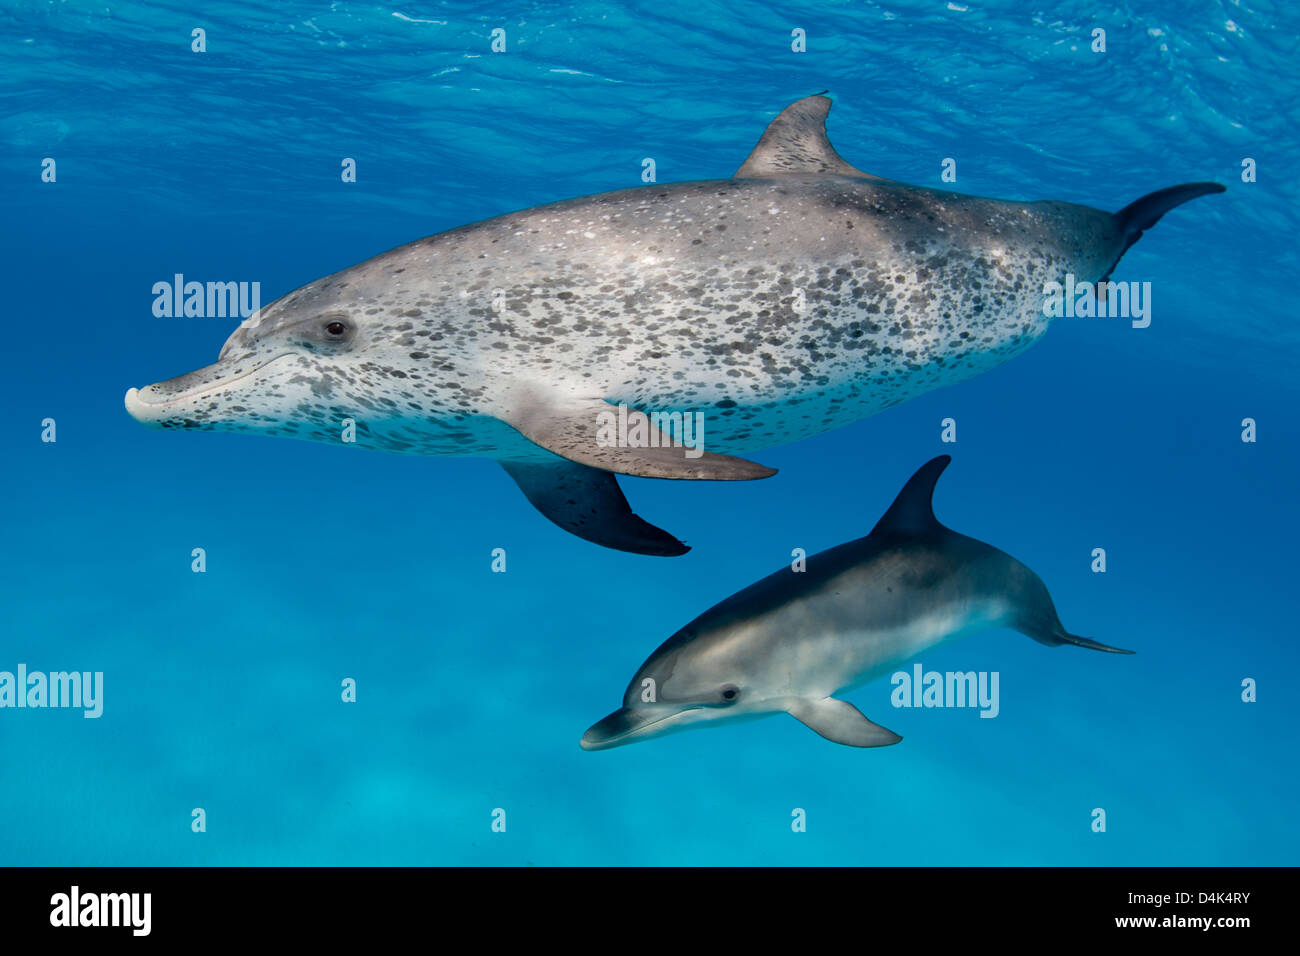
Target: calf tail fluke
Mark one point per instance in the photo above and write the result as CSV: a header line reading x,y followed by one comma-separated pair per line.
x,y
1045,627
1091,644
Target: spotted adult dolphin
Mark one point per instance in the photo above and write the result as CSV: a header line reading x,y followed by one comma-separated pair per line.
x,y
791,641
795,297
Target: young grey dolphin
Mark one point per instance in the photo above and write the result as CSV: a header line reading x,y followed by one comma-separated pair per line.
x,y
791,641
799,295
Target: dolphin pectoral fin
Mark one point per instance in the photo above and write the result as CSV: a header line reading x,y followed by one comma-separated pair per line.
x,y
840,721
589,503
591,433
795,145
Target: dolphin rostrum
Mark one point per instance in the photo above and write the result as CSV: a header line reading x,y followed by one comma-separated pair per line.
x,y
583,339
791,641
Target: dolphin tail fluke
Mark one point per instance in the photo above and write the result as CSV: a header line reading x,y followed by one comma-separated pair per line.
x,y
1146,212
1055,635
1137,217
1078,641
588,502
1036,616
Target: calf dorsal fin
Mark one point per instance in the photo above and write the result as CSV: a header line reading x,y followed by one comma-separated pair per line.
x,y
913,510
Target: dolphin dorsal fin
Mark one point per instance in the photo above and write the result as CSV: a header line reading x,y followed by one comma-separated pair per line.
x,y
913,510
795,145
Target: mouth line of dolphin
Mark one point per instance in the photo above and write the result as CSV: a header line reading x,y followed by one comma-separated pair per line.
x,y
624,737
143,408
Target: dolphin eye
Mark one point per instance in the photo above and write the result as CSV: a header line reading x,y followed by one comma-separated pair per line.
x,y
730,692
336,328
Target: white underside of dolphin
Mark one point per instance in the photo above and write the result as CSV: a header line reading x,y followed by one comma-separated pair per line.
x,y
793,640
795,297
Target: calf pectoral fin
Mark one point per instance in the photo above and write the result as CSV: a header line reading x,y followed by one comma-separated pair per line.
x,y
840,721
589,503
592,433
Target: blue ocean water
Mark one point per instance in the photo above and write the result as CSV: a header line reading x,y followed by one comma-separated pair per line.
x,y
222,689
